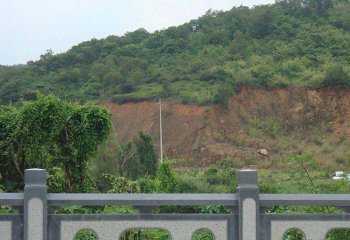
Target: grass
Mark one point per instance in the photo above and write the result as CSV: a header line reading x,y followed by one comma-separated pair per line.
x,y
198,92
144,92
291,181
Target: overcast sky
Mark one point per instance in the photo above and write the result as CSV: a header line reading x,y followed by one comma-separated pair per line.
x,y
29,27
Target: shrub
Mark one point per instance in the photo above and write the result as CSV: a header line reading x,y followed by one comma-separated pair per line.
x,y
336,76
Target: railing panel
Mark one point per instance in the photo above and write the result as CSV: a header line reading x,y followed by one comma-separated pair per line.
x,y
313,226
11,227
180,226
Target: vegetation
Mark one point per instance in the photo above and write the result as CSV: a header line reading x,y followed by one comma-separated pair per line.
x,y
297,43
133,160
53,134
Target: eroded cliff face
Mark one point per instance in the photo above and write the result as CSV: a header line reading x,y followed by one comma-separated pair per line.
x,y
207,134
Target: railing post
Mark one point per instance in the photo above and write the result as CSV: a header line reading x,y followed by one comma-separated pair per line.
x,y
248,203
35,204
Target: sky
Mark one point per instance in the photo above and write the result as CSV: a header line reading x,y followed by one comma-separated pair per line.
x,y
29,27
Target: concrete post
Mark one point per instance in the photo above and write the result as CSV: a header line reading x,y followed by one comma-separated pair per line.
x,y
248,203
35,204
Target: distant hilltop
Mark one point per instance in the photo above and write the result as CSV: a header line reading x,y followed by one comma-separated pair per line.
x,y
203,62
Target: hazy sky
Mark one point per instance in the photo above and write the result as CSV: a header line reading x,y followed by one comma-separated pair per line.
x,y
29,27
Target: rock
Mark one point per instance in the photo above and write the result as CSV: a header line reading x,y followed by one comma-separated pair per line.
x,y
263,152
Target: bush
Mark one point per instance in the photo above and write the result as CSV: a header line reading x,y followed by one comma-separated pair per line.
x,y
211,175
225,91
166,178
336,76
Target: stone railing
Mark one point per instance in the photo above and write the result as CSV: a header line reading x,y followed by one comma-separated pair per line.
x,y
248,219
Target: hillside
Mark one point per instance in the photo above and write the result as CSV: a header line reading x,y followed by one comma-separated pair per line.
x,y
283,121
288,44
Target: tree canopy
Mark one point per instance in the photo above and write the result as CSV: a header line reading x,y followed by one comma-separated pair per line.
x,y
49,132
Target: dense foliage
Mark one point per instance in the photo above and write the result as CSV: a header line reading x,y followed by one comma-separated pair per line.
x,y
302,43
53,134
134,159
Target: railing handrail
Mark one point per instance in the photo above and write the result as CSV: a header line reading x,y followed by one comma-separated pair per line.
x,y
13,199
179,199
100,199
336,200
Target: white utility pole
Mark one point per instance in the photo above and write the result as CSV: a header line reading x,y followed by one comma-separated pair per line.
x,y
160,131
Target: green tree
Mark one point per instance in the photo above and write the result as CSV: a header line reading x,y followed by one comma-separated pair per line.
x,y
340,15
262,22
50,132
147,155
166,178
224,93
137,158
240,45
48,53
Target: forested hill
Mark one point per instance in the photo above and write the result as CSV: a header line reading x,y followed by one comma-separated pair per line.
x,y
299,43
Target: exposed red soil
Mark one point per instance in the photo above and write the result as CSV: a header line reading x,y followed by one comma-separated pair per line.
x,y
206,132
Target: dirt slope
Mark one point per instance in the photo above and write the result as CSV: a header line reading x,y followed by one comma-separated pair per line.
x,y
207,134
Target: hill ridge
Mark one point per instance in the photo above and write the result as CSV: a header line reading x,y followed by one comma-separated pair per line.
x,y
203,61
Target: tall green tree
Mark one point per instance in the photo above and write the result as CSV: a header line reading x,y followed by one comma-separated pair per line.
x,y
138,157
166,178
147,155
49,132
